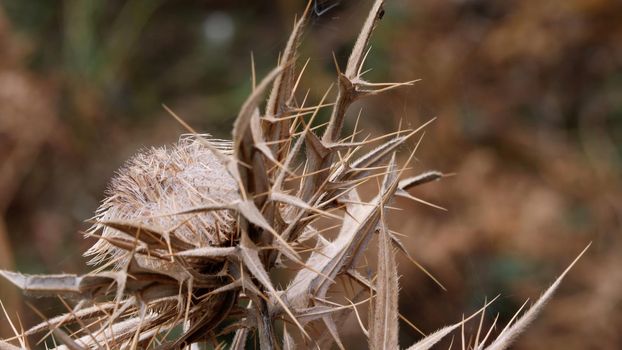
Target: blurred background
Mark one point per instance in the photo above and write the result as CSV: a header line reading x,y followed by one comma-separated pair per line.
x,y
528,96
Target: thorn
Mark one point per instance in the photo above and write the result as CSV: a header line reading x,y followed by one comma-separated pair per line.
x,y
336,64
253,72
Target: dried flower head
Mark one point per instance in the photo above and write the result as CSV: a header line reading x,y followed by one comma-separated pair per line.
x,y
159,182
189,235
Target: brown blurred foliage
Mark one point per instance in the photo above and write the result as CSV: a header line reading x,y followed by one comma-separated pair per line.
x,y
528,95
27,104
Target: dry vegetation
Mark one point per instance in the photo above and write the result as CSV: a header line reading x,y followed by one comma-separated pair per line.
x,y
184,257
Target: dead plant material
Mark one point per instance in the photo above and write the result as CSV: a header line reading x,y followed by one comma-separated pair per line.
x,y
190,235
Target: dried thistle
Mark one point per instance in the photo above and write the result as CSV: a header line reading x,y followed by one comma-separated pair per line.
x,y
163,181
189,235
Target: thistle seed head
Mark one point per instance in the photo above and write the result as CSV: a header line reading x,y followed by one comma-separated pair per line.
x,y
156,184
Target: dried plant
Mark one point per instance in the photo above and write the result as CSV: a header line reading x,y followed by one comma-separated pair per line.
x,y
191,236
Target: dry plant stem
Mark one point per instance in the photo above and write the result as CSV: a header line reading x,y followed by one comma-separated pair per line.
x,y
190,235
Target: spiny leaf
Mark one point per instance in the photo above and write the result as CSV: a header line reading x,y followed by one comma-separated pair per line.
x,y
429,341
205,208
208,252
150,236
340,315
282,89
384,323
382,152
509,334
344,251
47,284
332,329
420,179
404,194
370,89
250,171
219,306
299,203
249,107
357,55
347,92
253,215
249,255
90,312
